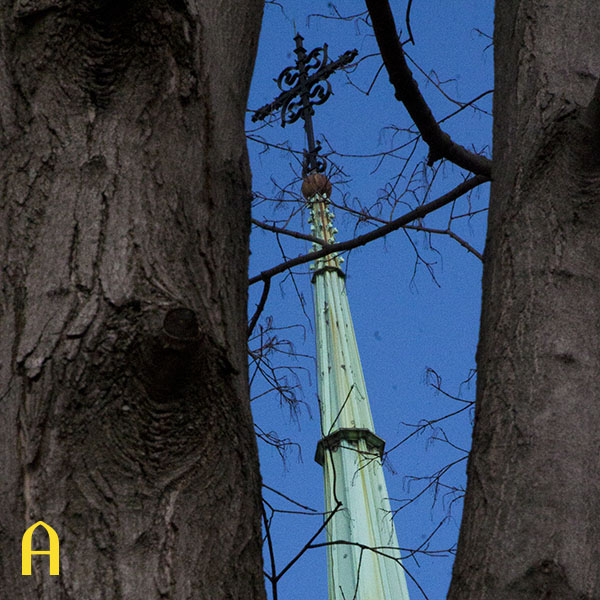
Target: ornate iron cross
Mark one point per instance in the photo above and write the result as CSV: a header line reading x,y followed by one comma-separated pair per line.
x,y
303,86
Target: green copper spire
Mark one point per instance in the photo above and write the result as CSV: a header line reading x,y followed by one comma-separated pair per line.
x,y
363,556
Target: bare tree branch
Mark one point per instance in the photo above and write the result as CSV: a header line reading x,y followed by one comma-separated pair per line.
x,y
260,306
309,544
451,234
407,91
296,234
411,39
361,240
271,577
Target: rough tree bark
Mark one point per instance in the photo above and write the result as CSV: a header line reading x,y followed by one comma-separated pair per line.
x,y
124,222
531,520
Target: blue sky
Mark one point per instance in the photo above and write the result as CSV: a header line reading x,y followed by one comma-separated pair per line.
x,y
406,320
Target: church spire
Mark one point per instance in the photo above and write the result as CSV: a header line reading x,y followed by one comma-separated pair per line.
x,y
363,557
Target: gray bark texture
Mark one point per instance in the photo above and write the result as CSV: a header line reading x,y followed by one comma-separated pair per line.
x,y
124,220
531,523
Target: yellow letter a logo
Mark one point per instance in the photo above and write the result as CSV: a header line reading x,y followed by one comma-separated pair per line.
x,y
26,550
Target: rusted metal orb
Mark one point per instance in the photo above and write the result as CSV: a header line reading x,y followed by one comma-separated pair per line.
x,y
316,183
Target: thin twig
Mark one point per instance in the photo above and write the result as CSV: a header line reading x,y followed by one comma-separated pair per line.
x,y
271,577
313,510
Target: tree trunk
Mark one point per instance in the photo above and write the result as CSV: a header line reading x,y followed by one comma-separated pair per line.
x,y
531,522
124,229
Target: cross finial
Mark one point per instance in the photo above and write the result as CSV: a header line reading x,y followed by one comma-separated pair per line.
x,y
303,86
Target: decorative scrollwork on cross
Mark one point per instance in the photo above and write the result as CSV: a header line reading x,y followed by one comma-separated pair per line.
x,y
303,86
299,83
